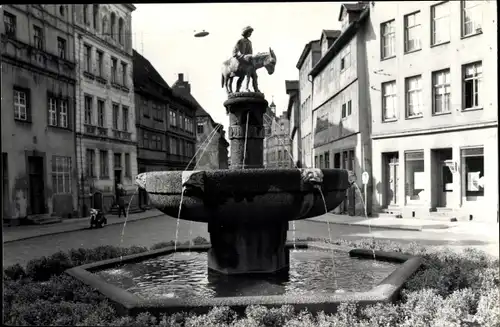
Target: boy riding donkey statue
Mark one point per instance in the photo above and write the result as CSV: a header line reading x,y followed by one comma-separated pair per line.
x,y
244,64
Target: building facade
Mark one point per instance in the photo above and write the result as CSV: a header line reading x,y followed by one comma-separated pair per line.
x,y
106,141
293,116
277,144
341,115
309,57
211,143
435,113
38,102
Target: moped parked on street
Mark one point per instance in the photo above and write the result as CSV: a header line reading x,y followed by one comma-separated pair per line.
x,y
97,218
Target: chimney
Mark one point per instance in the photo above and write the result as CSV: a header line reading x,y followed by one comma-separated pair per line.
x,y
181,77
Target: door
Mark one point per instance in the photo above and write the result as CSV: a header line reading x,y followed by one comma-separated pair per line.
x,y
392,182
445,189
36,185
143,195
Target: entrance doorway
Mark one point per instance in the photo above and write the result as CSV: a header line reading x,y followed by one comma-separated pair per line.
x,y
143,195
118,180
443,184
391,182
36,185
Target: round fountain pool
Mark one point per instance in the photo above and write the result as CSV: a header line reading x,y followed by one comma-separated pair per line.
x,y
185,275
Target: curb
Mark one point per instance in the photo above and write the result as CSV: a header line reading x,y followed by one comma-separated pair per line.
x,y
77,229
394,227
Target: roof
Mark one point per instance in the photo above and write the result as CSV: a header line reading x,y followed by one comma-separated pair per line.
x,y
305,52
341,41
349,7
144,73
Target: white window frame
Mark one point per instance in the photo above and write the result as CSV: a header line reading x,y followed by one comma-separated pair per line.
x,y
61,47
441,86
116,115
114,68
388,37
101,113
440,25
474,9
90,162
20,105
415,27
412,94
99,62
476,79
61,169
63,113
52,111
103,164
38,39
125,118
88,58
389,96
124,73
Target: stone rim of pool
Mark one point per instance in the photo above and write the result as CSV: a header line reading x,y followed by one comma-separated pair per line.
x,y
128,303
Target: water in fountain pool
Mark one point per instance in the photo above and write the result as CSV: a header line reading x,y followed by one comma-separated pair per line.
x,y
311,272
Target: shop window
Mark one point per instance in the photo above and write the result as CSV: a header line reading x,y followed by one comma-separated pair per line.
x,y
473,173
414,176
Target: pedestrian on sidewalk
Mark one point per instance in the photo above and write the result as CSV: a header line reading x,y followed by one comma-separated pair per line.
x,y
120,200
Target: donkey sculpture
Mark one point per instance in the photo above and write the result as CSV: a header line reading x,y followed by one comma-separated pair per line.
x,y
233,67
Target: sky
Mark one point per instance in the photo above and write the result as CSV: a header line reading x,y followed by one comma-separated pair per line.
x,y
164,34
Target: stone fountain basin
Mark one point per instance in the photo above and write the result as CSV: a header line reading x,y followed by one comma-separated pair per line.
x,y
127,303
250,195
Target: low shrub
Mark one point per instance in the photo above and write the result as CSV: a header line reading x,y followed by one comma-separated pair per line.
x,y
452,289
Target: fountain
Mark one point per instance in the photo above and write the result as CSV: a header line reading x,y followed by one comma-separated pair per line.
x,y
247,210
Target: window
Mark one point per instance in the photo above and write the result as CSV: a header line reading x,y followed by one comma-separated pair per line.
x,y
473,179
124,74
413,96
441,91
58,112
346,109
173,118
345,58
321,162
473,74
145,107
20,104
52,111
88,110
336,160
38,37
113,70
471,17
9,22
115,116
90,156
100,113
128,172
99,62
199,128
61,47
316,163
86,14
145,139
61,10
388,39
120,30
327,159
173,145
412,32
414,176
113,25
125,118
117,160
440,23
87,57
61,175
104,163
95,15
389,101
157,111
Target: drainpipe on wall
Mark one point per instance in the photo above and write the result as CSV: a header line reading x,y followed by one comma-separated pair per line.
x,y
311,80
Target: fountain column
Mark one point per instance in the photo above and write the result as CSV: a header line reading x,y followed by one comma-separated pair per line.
x,y
247,247
241,106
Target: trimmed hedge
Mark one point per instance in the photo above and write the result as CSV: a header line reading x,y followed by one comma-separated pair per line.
x,y
452,289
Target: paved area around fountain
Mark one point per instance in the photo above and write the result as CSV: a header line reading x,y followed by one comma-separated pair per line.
x,y
146,232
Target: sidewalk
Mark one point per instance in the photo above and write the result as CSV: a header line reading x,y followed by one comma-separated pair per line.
x,y
486,229
17,233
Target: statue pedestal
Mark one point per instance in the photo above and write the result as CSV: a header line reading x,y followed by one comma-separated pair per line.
x,y
241,107
248,249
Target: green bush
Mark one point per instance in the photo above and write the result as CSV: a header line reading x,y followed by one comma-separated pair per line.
x,y
452,289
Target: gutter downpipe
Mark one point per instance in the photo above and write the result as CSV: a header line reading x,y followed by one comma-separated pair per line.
x,y
310,79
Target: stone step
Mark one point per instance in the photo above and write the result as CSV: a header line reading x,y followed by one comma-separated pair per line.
x,y
388,215
43,219
133,209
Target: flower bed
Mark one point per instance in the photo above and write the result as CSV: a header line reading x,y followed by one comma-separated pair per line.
x,y
451,290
